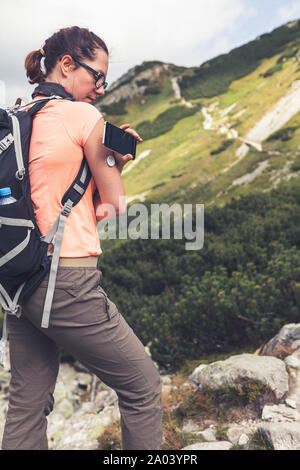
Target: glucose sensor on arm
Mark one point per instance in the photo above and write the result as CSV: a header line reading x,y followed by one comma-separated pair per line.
x,y
110,160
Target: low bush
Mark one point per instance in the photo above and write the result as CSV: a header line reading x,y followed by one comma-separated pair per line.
x,y
234,294
153,90
283,134
165,121
272,70
225,144
114,109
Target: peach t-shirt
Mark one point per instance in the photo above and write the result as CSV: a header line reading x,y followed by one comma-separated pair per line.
x,y
60,130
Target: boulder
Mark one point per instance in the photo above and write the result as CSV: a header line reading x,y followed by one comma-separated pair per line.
x,y
280,413
209,435
235,432
293,360
281,436
284,343
269,371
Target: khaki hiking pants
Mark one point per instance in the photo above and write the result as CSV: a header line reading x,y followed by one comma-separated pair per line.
x,y
87,324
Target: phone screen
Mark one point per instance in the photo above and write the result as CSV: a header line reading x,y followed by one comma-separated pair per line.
x,y
118,140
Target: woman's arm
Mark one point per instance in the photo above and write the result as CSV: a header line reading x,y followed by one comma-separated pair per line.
x,y
103,211
108,179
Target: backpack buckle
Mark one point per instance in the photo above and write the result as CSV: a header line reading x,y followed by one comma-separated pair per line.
x,y
20,174
67,208
16,311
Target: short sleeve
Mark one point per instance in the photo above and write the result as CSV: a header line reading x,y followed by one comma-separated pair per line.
x,y
89,118
79,119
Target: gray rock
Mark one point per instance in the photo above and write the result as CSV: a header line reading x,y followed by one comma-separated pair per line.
x,y
234,433
127,89
208,435
190,426
219,445
296,345
269,371
74,424
280,413
291,403
284,343
283,436
293,361
243,440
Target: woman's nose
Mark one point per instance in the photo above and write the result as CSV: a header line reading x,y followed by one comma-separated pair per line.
x,y
100,91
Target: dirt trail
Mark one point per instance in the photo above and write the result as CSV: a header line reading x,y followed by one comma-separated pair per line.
x,y
177,92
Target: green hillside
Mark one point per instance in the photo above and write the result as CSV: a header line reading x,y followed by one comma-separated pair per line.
x,y
186,162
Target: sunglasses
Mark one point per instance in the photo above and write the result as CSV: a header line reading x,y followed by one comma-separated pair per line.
x,y
99,77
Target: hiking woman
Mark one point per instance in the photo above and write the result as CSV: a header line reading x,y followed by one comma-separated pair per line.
x,y
83,320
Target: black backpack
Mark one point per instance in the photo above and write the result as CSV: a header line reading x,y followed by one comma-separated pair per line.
x,y
24,252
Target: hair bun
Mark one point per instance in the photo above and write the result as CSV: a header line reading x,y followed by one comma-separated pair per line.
x,y
33,67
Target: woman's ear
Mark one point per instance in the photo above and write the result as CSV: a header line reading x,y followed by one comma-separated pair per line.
x,y
66,64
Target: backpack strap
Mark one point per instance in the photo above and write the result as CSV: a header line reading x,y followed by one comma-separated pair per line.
x,y
71,197
37,106
9,306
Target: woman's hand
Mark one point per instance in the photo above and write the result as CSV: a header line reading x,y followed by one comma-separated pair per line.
x,y
127,128
123,159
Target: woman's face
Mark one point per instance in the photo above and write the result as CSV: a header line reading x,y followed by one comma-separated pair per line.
x,y
80,82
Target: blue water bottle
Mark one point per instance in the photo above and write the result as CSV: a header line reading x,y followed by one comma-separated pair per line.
x,y
6,197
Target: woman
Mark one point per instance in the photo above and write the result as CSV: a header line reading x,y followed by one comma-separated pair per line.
x,y
83,320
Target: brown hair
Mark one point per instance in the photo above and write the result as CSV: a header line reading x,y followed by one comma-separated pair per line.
x,y
80,43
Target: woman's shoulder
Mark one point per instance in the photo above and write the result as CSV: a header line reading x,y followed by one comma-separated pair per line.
x,y
77,114
78,118
78,107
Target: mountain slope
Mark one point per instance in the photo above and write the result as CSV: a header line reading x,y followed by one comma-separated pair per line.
x,y
206,128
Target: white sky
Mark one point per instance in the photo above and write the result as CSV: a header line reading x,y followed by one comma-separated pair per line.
x,y
185,32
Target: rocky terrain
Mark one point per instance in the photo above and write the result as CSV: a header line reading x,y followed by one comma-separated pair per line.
x,y
85,407
276,368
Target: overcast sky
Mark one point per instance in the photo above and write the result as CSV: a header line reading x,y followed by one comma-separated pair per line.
x,y
186,32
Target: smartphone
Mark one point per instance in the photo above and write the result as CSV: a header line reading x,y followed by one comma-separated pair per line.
x,y
118,140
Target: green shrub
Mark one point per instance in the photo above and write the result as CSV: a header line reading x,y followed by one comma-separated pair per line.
x,y
142,82
221,311
153,90
225,144
283,134
165,121
296,164
114,109
234,294
287,54
272,70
